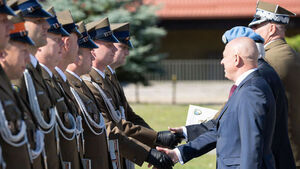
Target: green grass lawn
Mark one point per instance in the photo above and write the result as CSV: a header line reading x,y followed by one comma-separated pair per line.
x,y
159,117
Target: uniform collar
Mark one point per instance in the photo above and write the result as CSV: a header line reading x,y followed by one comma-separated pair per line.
x,y
61,73
267,44
47,70
74,74
111,69
100,72
33,61
244,76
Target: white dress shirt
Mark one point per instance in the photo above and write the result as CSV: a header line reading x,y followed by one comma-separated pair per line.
x,y
74,74
33,61
61,73
100,72
111,69
47,70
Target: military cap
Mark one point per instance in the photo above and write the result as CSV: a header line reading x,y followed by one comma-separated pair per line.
x,y
100,30
55,26
67,21
5,9
13,4
85,41
241,31
32,9
19,32
121,31
270,12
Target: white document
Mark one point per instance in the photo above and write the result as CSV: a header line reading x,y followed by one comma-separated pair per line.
x,y
197,114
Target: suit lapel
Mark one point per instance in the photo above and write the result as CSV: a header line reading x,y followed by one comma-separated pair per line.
x,y
251,75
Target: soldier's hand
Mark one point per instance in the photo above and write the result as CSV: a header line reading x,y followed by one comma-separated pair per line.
x,y
159,160
171,153
168,139
177,130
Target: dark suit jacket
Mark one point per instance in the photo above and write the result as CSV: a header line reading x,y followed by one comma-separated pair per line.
x,y
243,131
281,147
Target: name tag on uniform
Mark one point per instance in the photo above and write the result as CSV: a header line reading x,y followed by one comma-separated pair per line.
x,y
60,99
40,92
8,103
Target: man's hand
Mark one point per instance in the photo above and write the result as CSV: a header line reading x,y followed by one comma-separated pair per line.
x,y
171,153
177,130
159,160
168,139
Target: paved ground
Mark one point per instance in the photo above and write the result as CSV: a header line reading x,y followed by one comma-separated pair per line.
x,y
187,92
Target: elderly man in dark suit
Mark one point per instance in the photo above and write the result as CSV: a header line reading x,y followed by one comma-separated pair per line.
x,y
281,147
244,129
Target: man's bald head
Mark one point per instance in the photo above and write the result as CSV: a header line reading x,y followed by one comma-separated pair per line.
x,y
239,56
245,48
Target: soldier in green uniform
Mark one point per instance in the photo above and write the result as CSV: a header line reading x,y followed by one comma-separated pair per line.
x,y
121,31
270,22
34,135
94,135
49,56
13,59
32,88
136,142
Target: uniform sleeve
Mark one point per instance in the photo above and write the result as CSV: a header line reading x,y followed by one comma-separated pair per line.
x,y
199,146
134,118
126,134
145,135
193,131
130,148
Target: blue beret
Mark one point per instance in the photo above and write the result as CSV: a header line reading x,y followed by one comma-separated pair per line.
x,y
241,31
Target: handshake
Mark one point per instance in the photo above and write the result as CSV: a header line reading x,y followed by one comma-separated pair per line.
x,y
165,158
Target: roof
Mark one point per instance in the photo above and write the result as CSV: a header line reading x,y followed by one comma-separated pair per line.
x,y
208,9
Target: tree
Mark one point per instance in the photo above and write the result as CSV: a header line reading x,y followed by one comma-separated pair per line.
x,y
145,35
294,42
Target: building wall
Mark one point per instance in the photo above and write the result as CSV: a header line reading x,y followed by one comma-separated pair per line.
x,y
202,39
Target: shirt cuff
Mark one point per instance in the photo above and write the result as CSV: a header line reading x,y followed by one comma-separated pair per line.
x,y
179,156
184,132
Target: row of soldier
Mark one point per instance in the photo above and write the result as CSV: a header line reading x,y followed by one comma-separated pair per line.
x,y
62,106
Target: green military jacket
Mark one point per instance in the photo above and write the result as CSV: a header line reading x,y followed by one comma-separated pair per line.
x,y
46,102
126,132
286,63
129,113
96,147
15,157
67,115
